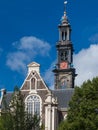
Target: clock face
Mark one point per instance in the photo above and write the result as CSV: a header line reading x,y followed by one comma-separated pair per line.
x,y
63,65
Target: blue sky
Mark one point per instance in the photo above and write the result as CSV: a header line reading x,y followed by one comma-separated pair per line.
x,y
27,27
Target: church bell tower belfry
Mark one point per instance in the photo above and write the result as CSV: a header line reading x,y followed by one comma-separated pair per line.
x,y
64,71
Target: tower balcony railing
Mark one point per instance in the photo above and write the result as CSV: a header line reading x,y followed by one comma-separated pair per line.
x,y
64,42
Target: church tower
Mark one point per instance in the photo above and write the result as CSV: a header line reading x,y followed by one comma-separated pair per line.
x,y
64,71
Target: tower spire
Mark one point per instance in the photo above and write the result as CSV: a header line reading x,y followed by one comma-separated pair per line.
x,y
64,71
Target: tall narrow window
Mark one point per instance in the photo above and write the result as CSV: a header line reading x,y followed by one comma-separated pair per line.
x,y
64,36
33,104
33,83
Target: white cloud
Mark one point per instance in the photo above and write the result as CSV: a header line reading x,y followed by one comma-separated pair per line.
x,y
86,64
27,48
16,61
35,45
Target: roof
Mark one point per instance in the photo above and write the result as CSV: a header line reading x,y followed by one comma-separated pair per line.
x,y
63,97
7,98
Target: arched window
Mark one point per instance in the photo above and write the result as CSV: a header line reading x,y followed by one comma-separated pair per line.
x,y
64,82
33,83
64,35
33,104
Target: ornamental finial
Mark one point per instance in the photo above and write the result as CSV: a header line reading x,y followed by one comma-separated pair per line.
x,y
64,17
65,2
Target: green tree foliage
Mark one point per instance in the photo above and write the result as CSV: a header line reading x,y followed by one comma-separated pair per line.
x,y
83,108
14,116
